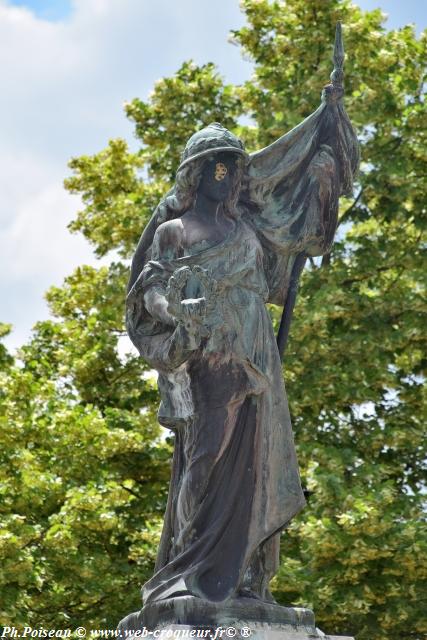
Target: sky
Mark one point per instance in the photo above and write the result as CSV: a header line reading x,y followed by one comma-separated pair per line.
x,y
68,66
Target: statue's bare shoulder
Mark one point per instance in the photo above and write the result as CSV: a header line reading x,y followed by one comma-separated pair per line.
x,y
169,238
176,237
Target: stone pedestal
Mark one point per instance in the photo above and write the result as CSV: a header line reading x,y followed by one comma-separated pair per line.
x,y
188,617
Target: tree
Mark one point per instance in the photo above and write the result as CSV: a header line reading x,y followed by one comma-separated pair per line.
x,y
84,465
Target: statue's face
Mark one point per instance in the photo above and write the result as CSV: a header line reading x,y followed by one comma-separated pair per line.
x,y
217,177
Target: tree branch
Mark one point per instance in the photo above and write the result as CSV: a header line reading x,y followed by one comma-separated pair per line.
x,y
326,260
348,211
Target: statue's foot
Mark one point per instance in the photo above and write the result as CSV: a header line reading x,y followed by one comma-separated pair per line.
x,y
268,597
249,593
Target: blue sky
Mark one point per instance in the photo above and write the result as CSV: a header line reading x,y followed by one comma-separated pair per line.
x,y
46,9
400,12
67,67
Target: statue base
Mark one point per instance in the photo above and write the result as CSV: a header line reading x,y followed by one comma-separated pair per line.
x,y
189,617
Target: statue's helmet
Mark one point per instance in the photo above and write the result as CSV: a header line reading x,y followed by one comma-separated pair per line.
x,y
211,139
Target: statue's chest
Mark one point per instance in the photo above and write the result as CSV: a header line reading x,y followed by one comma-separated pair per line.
x,y
235,259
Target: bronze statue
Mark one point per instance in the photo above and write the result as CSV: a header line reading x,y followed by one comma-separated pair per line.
x,y
232,235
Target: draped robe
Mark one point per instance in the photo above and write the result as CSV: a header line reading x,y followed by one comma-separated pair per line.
x,y
235,482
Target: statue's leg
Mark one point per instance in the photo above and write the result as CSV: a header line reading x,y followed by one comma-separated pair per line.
x,y
262,567
201,445
217,398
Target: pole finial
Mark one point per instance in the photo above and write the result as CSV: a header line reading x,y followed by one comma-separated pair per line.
x,y
337,75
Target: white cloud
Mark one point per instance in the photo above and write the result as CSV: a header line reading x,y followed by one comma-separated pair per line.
x,y
35,241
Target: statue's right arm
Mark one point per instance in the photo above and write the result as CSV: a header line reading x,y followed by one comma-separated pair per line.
x,y
161,351
167,244
140,255
157,306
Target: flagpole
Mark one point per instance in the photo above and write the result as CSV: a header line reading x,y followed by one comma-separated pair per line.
x,y
337,77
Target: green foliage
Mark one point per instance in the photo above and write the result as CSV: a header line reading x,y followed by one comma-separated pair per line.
x,y
178,106
111,190
5,357
84,468
81,501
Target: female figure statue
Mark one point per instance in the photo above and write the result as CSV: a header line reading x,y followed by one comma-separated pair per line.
x,y
218,248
